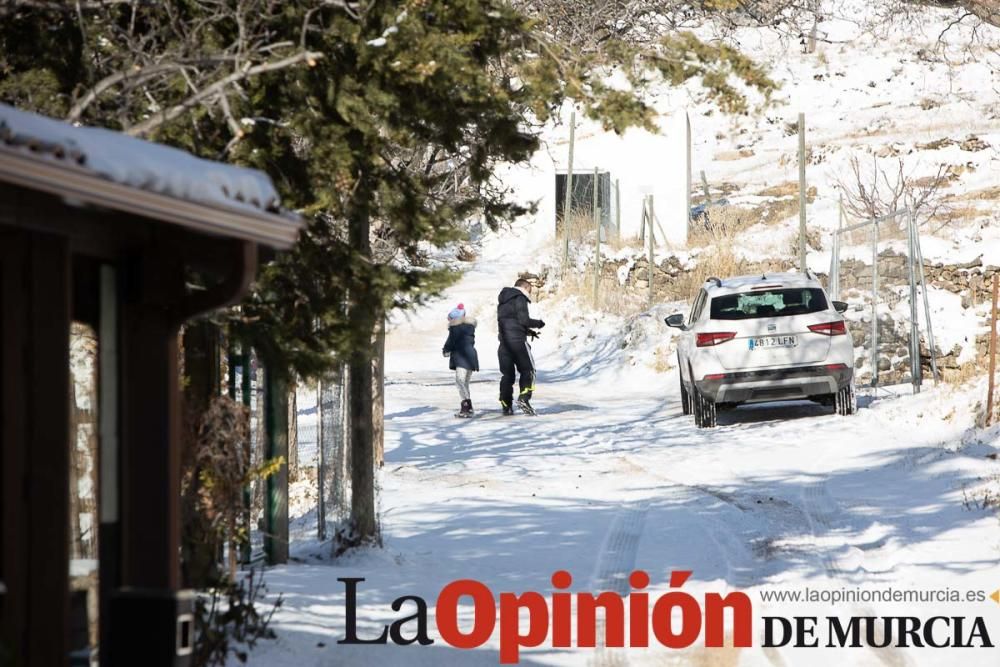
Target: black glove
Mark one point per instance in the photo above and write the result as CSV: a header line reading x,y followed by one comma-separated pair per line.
x,y
533,334
445,353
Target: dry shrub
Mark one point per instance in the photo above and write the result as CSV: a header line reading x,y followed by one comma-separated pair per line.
x,y
957,214
466,253
720,262
961,375
662,359
720,225
580,225
222,468
786,189
612,298
985,194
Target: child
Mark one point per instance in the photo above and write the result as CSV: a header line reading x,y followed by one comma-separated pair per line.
x,y
461,347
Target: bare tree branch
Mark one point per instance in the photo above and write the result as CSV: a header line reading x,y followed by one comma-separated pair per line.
x,y
155,121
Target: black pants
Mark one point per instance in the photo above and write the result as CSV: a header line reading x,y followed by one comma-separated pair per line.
x,y
515,356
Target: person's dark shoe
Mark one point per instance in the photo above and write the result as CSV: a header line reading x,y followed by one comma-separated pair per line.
x,y
525,406
508,411
466,409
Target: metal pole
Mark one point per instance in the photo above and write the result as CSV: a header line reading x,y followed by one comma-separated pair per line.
x,y
321,472
597,258
597,247
276,446
618,208
642,226
802,192
915,370
568,199
687,191
875,304
927,305
246,392
993,352
651,250
835,254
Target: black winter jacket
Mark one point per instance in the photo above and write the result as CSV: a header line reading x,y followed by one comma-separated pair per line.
x,y
461,344
513,319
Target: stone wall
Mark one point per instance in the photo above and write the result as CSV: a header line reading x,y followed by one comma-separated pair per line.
x,y
970,280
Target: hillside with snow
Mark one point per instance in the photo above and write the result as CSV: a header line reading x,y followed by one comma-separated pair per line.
x,y
611,477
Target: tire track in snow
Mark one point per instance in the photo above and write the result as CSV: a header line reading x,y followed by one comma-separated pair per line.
x,y
825,515
615,563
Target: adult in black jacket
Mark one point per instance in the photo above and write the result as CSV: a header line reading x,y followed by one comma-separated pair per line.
x,y
516,325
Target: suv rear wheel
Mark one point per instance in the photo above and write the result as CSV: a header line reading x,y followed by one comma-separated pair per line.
x,y
846,401
685,399
705,413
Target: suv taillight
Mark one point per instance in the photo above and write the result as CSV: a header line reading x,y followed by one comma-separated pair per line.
x,y
713,338
837,328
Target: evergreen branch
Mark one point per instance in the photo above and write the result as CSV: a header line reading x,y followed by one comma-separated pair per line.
x,y
68,7
173,112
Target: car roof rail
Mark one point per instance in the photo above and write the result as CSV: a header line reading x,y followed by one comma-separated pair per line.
x,y
713,279
810,274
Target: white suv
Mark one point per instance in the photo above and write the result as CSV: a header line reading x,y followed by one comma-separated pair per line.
x,y
772,337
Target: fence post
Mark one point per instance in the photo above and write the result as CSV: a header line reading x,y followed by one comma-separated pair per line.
x,y
597,258
276,445
651,241
875,304
927,305
618,208
246,394
835,253
993,352
915,368
321,389
802,192
687,189
568,199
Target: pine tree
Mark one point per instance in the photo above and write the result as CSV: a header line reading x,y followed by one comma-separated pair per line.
x,y
364,113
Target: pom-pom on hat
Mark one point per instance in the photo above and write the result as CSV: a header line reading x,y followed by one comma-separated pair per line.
x,y
458,312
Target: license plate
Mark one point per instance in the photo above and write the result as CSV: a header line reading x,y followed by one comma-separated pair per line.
x,y
772,341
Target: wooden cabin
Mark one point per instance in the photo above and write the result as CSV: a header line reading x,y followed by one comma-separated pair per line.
x,y
100,228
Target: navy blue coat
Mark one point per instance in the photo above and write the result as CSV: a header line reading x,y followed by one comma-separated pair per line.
x,y
461,344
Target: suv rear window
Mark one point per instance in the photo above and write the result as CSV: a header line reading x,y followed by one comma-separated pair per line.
x,y
768,303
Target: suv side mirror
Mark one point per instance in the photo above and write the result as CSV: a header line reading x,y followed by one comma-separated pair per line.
x,y
840,306
676,320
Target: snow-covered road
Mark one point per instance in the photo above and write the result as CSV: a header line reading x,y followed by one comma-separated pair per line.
x,y
611,478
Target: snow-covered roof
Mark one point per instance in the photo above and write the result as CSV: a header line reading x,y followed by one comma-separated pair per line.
x,y
213,187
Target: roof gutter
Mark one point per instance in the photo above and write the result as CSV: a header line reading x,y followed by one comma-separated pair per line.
x,y
76,184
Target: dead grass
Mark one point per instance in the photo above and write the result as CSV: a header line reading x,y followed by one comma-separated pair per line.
x,y
662,360
789,189
963,374
580,225
959,214
724,223
730,156
986,194
718,257
611,297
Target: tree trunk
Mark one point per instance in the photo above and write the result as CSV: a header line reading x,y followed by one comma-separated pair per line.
x,y
378,393
293,433
200,545
363,312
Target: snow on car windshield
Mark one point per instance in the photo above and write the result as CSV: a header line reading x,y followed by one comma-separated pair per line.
x,y
768,303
